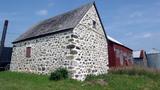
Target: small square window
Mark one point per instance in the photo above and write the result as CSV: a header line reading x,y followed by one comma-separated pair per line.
x,y
94,24
28,52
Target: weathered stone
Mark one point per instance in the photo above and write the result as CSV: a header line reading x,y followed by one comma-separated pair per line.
x,y
73,52
67,36
70,40
77,47
69,57
43,68
74,36
71,46
78,59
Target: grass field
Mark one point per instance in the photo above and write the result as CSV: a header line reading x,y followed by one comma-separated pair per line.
x,y
113,81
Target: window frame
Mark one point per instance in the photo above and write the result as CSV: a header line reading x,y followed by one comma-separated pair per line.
x,y
94,24
28,52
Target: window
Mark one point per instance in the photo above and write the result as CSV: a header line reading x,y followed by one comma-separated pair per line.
x,y
94,24
28,52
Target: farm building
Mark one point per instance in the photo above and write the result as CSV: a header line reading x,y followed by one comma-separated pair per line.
x,y
5,58
140,58
75,40
5,52
119,55
153,58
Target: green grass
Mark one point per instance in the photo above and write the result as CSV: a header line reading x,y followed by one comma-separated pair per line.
x,y
114,81
23,81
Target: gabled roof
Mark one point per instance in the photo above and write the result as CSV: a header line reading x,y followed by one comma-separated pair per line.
x,y
114,40
61,22
139,54
117,42
136,54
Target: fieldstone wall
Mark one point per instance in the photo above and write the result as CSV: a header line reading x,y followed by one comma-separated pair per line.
x,y
47,54
82,51
92,57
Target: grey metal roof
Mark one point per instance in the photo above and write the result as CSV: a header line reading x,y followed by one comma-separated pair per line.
x,y
114,40
136,54
61,22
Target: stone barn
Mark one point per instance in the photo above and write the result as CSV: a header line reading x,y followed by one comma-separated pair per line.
x,y
75,40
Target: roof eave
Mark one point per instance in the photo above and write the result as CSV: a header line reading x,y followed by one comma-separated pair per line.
x,y
100,21
121,45
41,35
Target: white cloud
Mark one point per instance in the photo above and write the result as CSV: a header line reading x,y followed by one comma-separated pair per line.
x,y
129,34
136,14
147,35
43,12
50,4
9,13
142,35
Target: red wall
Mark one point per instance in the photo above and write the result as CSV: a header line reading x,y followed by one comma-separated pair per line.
x,y
119,55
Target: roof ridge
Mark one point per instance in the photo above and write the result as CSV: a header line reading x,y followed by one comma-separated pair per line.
x,y
90,4
57,23
69,11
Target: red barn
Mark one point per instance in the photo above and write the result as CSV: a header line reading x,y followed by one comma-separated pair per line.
x,y
119,55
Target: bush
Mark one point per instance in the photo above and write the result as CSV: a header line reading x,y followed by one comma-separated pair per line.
x,y
59,74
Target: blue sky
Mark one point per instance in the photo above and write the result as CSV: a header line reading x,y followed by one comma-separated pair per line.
x,y
135,23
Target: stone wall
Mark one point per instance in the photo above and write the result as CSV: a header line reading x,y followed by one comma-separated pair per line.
x,y
82,51
92,57
47,54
